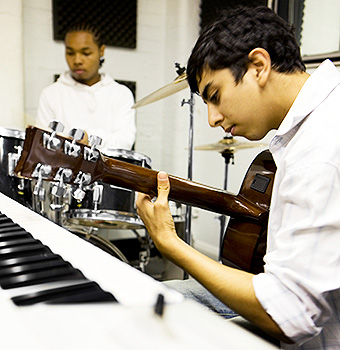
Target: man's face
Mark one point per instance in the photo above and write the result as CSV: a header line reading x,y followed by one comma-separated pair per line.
x,y
240,109
82,56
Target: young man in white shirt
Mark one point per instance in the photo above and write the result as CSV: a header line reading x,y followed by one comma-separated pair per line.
x,y
247,68
86,99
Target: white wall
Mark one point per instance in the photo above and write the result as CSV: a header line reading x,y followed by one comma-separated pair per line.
x,y
11,67
166,32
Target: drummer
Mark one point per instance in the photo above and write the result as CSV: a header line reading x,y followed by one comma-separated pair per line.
x,y
84,98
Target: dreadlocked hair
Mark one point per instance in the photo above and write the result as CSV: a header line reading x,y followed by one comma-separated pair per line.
x,y
87,27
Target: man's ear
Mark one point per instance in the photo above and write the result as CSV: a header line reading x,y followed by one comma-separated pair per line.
x,y
261,63
101,50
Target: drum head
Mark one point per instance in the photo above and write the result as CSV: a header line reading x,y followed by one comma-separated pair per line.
x,y
17,134
105,219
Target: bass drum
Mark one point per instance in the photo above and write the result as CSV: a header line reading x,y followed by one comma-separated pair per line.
x,y
11,143
99,242
108,206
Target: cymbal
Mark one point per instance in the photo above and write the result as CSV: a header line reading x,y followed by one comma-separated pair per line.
x,y
229,144
178,84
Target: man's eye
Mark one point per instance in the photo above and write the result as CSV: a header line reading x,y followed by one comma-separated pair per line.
x,y
214,97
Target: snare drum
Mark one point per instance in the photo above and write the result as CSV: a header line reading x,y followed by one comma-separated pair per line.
x,y
11,143
108,206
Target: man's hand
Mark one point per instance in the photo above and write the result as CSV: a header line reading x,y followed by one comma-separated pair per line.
x,y
156,215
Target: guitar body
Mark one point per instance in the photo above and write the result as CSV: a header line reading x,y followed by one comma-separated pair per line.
x,y
244,241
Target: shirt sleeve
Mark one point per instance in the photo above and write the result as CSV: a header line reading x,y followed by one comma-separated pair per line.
x,y
123,133
44,113
302,264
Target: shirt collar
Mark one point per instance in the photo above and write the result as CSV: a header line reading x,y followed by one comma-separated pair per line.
x,y
316,88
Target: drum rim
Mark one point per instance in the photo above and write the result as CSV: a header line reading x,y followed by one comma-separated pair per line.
x,y
8,132
104,216
126,153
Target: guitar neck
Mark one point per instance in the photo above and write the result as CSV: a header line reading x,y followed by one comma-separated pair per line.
x,y
144,180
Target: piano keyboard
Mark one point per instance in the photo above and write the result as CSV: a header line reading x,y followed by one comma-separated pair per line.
x,y
41,262
60,275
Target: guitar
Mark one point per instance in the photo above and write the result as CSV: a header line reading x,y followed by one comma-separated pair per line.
x,y
51,157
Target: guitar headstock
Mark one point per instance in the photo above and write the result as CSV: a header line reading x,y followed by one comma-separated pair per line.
x,y
48,156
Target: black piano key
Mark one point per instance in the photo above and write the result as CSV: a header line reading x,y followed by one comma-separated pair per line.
x,y
5,219
80,293
17,242
10,235
50,275
23,250
45,255
11,228
25,261
31,267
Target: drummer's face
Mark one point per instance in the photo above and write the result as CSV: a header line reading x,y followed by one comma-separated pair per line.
x,y
82,56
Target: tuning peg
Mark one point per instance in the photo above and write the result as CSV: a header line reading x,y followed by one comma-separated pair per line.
x,y
50,141
82,179
91,154
71,148
63,176
56,126
41,172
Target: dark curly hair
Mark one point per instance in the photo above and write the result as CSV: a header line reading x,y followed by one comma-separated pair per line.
x,y
227,42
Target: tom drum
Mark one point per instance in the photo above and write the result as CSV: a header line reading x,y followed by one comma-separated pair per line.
x,y
108,206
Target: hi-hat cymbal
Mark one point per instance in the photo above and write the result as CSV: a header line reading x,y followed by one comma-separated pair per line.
x,y
178,84
229,144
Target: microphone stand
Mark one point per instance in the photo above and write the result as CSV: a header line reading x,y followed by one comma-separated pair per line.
x,y
187,235
228,156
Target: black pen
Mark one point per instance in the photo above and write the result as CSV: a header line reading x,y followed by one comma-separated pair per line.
x,y
159,307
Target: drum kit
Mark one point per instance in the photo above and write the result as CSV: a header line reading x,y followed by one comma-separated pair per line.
x,y
104,205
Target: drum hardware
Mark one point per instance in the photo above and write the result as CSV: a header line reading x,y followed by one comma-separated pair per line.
x,y
71,148
11,145
81,180
227,147
229,144
49,140
108,206
178,84
13,158
89,234
144,255
97,196
41,171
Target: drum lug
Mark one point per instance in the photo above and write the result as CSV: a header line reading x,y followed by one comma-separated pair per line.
x,y
81,180
97,195
13,160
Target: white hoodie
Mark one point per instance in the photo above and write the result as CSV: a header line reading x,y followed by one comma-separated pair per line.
x,y
103,109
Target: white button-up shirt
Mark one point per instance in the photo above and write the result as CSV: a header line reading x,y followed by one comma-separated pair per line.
x,y
300,288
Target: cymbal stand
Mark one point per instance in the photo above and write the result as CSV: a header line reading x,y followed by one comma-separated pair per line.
x,y
229,157
191,102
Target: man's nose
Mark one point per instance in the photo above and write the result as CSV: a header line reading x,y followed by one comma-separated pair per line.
x,y
214,116
77,59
